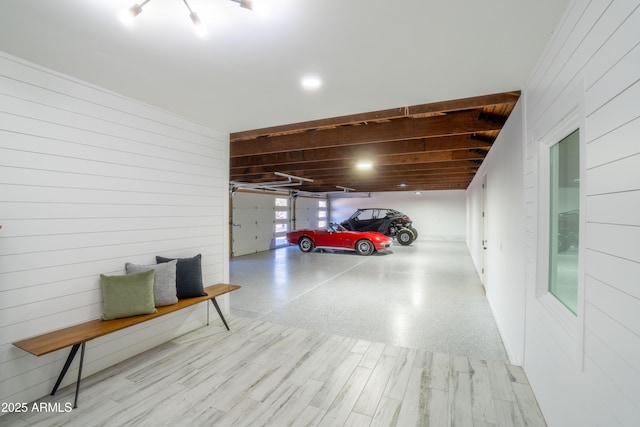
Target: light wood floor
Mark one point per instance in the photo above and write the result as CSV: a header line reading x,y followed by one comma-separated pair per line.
x,y
266,374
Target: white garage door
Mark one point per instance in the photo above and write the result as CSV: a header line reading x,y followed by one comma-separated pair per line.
x,y
260,222
310,213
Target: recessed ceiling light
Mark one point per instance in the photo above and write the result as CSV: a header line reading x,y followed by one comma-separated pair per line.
x,y
311,83
364,165
403,184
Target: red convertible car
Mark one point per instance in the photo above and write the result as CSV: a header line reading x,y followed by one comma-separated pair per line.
x,y
338,237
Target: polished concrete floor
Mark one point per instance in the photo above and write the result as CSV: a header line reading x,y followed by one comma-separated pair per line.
x,y
426,296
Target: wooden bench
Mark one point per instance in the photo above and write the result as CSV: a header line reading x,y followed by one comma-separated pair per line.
x,y
77,335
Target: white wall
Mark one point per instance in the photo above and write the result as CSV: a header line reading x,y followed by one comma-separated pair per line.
x,y
585,371
437,215
88,181
503,204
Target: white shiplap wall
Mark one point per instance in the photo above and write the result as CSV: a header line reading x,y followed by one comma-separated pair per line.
x,y
502,228
88,181
588,374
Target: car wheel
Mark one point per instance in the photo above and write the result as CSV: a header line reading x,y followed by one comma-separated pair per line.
x,y
405,237
415,232
306,244
364,247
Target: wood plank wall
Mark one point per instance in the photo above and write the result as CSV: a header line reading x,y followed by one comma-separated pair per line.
x,y
90,180
596,49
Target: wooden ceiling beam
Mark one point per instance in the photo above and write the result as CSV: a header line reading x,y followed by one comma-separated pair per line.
x,y
307,170
391,187
394,175
457,123
396,183
509,98
369,151
398,170
300,162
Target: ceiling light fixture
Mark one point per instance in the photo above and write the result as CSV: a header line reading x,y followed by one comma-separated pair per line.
x,y
128,15
364,165
257,6
311,83
247,4
201,30
135,10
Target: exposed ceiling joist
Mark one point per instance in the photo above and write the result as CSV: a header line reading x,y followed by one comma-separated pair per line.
x,y
430,146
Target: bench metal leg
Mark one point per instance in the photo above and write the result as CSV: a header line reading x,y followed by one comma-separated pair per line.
x,y
65,368
215,304
75,401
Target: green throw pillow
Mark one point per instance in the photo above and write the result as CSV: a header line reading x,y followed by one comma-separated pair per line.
x,y
127,295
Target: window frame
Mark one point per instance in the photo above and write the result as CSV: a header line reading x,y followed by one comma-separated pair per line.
x,y
553,238
323,214
280,237
572,324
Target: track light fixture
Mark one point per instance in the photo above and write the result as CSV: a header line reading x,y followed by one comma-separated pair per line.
x,y
247,4
200,28
136,9
255,5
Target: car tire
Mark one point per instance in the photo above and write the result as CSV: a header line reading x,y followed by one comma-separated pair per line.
x,y
306,244
415,232
405,237
364,247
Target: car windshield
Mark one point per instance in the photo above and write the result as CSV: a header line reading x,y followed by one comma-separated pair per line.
x,y
334,226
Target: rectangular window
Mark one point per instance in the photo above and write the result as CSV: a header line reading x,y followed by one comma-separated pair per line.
x,y
564,214
281,221
322,214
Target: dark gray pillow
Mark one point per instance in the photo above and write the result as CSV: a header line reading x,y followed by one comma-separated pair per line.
x,y
164,284
188,276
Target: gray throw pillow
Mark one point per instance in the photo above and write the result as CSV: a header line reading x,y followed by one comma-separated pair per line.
x,y
164,285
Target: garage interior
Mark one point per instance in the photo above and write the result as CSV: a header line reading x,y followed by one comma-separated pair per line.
x,y
518,304
428,295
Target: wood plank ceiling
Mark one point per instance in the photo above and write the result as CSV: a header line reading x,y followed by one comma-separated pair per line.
x,y
437,146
